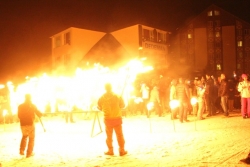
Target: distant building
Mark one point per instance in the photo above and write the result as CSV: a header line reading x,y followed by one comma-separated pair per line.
x,y
76,47
70,46
214,41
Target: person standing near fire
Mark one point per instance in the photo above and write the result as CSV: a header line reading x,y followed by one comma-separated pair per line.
x,y
111,104
223,93
183,95
155,99
145,97
27,112
243,88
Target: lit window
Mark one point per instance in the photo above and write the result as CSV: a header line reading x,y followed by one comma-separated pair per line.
x,y
67,38
210,13
216,13
218,67
239,43
58,41
189,36
217,34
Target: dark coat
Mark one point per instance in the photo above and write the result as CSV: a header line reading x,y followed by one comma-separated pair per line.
x,y
223,89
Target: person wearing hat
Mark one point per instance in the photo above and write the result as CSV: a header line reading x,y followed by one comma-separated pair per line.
x,y
244,89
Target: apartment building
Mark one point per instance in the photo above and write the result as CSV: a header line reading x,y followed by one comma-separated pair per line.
x,y
215,41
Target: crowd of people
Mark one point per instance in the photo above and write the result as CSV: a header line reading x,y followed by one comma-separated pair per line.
x,y
203,96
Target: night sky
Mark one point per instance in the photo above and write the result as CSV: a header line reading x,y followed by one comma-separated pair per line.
x,y
27,25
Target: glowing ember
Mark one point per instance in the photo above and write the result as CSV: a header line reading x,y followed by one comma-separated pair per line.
x,y
193,101
150,105
5,112
174,104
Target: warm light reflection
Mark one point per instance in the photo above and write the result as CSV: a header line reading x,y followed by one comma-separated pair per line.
x,y
150,106
193,100
174,104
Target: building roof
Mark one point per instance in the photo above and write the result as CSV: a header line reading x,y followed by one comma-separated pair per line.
x,y
107,51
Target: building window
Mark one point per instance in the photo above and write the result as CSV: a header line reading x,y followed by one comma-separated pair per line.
x,y
189,36
217,34
151,34
217,23
210,13
58,41
216,13
240,55
239,43
239,32
247,31
67,38
145,34
160,37
248,54
238,66
164,37
218,67
210,23
217,55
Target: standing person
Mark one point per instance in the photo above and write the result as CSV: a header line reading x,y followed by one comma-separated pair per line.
x,y
155,98
172,96
111,104
194,95
201,99
26,113
223,93
145,97
208,95
182,94
243,88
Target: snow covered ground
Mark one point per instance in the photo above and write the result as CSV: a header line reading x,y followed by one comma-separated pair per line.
x,y
154,142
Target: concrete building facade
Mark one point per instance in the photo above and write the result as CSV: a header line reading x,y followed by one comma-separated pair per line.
x,y
75,47
70,45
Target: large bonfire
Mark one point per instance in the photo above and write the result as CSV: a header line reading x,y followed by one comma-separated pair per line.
x,y
81,91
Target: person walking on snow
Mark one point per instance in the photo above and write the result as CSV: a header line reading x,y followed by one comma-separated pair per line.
x,y
244,89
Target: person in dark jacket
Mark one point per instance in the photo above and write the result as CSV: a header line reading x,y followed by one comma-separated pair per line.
x,y
111,104
223,93
26,113
209,95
